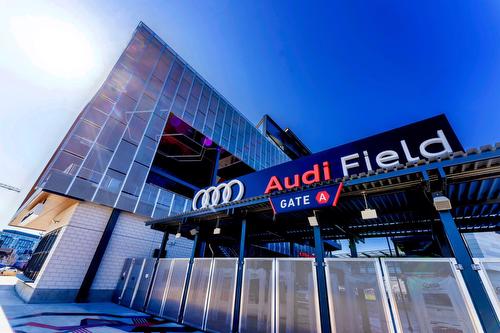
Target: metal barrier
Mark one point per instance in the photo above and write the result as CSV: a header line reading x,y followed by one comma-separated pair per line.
x,y
281,294
489,271
429,295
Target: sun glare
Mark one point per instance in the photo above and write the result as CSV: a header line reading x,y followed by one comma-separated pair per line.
x,y
54,46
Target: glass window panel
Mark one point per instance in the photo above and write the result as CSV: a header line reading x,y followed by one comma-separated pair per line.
x,y
95,164
67,163
198,292
134,87
147,200
177,71
136,46
126,202
136,178
175,289
427,296
257,294
355,296
82,189
155,128
110,92
145,108
123,156
178,205
147,62
124,108
165,198
163,107
86,130
159,285
111,134
221,302
77,146
95,116
163,66
120,76
154,87
146,151
297,296
110,187
103,104
160,212
135,129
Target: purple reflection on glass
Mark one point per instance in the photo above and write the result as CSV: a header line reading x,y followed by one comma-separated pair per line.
x,y
207,142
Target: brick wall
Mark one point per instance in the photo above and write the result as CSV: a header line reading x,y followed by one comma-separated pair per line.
x,y
131,238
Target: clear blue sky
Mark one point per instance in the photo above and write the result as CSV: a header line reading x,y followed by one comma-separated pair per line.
x,y
333,71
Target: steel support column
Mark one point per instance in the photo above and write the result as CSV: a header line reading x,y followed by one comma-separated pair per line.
x,y
321,278
239,277
188,277
89,277
216,167
476,289
352,247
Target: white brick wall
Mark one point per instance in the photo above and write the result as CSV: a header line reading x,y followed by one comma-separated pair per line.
x,y
71,256
131,238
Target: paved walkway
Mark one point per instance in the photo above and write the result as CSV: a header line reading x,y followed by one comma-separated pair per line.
x,y
19,317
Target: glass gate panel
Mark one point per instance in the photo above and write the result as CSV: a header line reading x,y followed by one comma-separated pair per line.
x,y
132,282
142,290
490,275
221,302
175,289
428,296
297,290
159,286
257,296
356,296
194,312
122,280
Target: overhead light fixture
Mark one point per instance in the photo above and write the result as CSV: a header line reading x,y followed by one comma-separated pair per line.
x,y
441,203
368,213
217,228
313,221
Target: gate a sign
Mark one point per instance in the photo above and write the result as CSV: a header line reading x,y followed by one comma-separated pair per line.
x,y
308,199
322,197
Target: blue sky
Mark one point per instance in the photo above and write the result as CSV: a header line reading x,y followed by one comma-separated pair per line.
x,y
333,71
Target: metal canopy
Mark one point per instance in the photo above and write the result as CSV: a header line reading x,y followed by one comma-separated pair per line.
x,y
401,196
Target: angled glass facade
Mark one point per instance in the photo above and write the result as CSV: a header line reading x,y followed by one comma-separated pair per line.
x,y
108,155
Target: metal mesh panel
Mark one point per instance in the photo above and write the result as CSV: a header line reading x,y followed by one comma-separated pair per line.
x,y
159,286
357,302
175,288
257,297
122,280
145,281
132,282
427,296
221,302
298,309
198,292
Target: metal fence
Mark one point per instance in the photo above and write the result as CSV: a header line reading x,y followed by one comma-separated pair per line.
x,y
281,294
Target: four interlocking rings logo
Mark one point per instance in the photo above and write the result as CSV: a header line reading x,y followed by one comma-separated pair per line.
x,y
212,196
